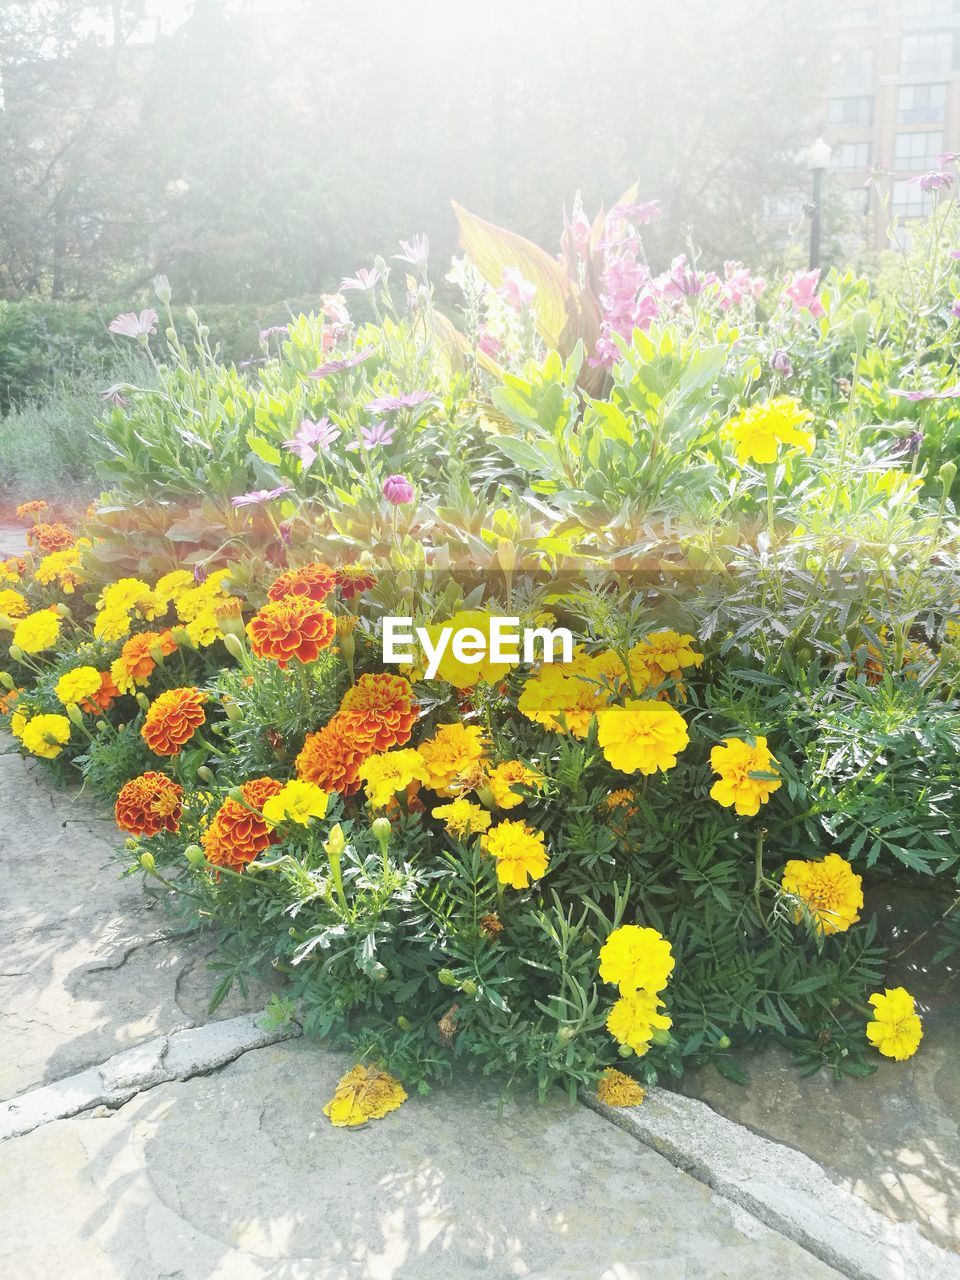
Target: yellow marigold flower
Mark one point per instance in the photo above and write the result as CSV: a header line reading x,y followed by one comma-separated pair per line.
x,y
454,749
760,429
390,772
563,696
297,802
636,958
828,889
664,654
462,818
111,624
464,675
634,1018
77,685
204,629
123,594
37,631
621,799
46,735
172,585
12,604
895,1029
63,567
507,775
615,1089
519,852
19,719
736,761
10,571
364,1093
642,735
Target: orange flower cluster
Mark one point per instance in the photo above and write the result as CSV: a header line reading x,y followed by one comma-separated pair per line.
x,y
136,663
311,581
50,537
7,700
173,719
237,835
293,627
353,579
148,804
376,714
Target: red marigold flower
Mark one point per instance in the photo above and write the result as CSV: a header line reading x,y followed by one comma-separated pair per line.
x,y
332,759
148,804
314,581
173,719
51,537
353,579
237,835
27,510
294,627
379,712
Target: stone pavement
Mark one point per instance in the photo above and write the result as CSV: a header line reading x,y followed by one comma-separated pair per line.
x,y
232,1172
13,539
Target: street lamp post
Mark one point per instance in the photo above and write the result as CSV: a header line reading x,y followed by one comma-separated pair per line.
x,y
818,158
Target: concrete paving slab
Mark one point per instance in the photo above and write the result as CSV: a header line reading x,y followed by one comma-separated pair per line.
x,y
239,1176
88,966
13,539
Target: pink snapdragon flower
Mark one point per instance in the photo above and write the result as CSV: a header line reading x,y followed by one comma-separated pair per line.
x,y
398,490
516,291
738,286
800,293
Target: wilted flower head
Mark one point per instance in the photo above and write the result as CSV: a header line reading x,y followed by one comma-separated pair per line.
x,y
391,404
131,325
311,437
272,329
516,291
398,490
199,574
780,363
365,279
259,496
415,251
161,287
908,445
345,362
114,395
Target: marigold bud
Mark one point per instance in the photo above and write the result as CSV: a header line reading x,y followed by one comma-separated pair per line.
x,y
946,475
335,842
448,978
232,712
144,701
182,638
469,987
204,774
724,1042
382,829
234,646
64,612
194,855
6,679
404,1023
16,653
625,1051
74,715
236,794
566,1034
6,624
148,862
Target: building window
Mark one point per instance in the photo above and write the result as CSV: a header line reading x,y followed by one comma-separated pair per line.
x,y
851,157
927,55
909,200
857,15
783,206
929,8
918,150
857,202
921,104
851,111
852,66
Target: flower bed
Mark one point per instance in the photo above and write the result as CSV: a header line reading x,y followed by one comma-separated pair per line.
x,y
652,853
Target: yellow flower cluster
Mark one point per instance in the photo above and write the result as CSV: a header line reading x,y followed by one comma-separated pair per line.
x,y
828,892
462,818
77,685
63,567
759,430
640,961
615,1089
390,772
507,775
45,735
455,749
738,764
895,1029
464,675
12,603
197,605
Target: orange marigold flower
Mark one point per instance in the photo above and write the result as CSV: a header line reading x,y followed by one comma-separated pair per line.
x,y
172,720
332,758
7,700
353,579
136,661
27,510
237,835
294,627
148,804
311,581
103,699
50,537
379,712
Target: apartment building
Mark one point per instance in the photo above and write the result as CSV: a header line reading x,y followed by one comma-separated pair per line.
x,y
893,100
